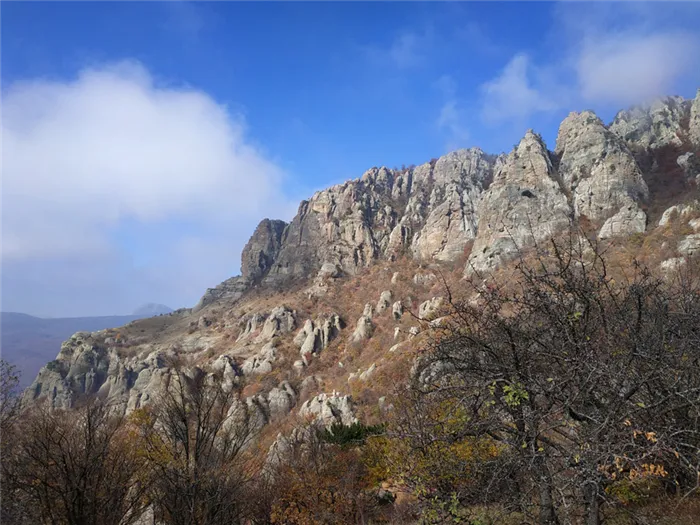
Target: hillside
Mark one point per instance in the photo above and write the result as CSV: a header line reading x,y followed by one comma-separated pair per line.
x,y
330,309
467,210
28,342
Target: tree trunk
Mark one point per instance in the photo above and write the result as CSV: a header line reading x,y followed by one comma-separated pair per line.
x,y
590,494
547,514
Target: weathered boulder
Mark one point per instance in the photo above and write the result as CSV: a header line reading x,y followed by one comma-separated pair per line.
x,y
317,334
424,279
281,321
328,409
251,325
363,329
281,400
260,363
430,307
397,310
384,301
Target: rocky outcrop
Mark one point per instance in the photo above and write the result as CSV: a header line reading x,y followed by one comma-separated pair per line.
x,y
525,203
694,122
627,221
679,211
231,290
397,310
601,174
328,409
689,245
87,365
459,180
430,307
429,210
654,126
264,327
384,301
689,162
260,363
262,249
317,334
281,321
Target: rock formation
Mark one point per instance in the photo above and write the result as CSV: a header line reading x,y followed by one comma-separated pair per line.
x,y
466,205
654,126
525,203
600,173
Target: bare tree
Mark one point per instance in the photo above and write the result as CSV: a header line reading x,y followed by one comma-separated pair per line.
x,y
77,467
588,380
194,439
13,505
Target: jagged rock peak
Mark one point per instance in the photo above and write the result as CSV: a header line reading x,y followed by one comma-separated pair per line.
x,y
261,249
653,125
597,168
694,122
524,202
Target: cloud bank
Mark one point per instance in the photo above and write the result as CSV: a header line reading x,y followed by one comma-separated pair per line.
x,y
602,56
90,162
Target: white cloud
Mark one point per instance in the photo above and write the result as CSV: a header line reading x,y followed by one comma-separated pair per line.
x,y
628,68
115,148
513,94
604,56
452,117
407,49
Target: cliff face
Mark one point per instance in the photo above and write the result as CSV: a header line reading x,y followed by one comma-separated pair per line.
x,y
429,211
466,207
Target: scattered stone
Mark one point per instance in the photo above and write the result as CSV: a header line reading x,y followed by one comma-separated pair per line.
x,y
397,310
329,409
429,307
384,301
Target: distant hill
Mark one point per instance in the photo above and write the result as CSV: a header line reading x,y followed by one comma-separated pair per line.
x,y
152,309
30,342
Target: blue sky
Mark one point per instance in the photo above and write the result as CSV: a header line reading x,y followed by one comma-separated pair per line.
x,y
142,142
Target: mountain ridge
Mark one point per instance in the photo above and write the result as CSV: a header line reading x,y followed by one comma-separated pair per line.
x,y
359,256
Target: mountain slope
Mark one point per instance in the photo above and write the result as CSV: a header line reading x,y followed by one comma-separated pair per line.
x,y
328,306
28,342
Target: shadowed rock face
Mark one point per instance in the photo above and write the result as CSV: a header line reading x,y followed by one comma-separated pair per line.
x,y
262,249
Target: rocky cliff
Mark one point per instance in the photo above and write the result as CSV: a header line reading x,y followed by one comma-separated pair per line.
x,y
312,311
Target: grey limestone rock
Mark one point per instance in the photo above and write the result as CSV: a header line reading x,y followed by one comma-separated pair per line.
x,y
694,122
262,249
598,169
524,203
328,409
652,126
384,301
